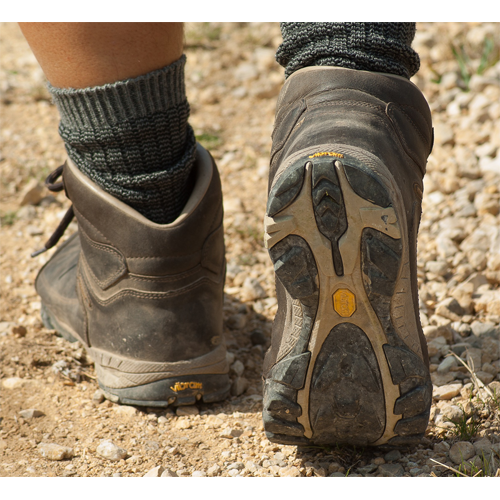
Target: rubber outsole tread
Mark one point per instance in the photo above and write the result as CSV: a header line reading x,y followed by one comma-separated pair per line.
x,y
345,389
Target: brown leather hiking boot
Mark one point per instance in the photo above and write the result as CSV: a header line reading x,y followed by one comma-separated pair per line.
x,y
348,361
145,299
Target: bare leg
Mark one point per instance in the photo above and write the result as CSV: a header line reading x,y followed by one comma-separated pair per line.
x,y
80,55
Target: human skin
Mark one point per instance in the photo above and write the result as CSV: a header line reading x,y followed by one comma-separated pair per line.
x,y
81,55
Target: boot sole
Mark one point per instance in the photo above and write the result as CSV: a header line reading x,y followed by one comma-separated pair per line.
x,y
349,368
181,390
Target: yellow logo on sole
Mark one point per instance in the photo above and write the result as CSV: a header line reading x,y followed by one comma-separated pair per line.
x,y
182,386
344,302
327,153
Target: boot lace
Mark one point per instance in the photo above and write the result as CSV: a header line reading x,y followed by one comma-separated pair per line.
x,y
55,187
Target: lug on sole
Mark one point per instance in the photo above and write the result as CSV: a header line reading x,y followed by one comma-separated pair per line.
x,y
344,374
172,391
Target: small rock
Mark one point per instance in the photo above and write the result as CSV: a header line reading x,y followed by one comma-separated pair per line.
x,y
467,390
446,364
367,469
98,396
450,308
169,473
155,472
33,230
463,450
391,470
480,329
109,450
230,433
126,411
183,423
378,461
238,368
13,383
452,413
184,411
446,391
337,474
236,465
253,290
289,472
442,447
198,473
32,194
237,321
213,422
440,379
214,470
485,377
239,386
19,331
392,456
482,446
31,413
251,466
431,332
52,451
494,387
437,267
257,337
334,467
474,358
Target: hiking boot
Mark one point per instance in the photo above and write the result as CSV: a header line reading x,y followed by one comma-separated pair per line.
x,y
348,361
145,299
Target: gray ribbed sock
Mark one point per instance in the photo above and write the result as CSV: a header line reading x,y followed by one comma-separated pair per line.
x,y
383,47
132,138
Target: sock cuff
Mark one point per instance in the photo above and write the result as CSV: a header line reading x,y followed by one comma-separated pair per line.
x,y
125,100
383,47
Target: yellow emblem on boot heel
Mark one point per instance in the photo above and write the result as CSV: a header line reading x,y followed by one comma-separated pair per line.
x,y
182,386
344,302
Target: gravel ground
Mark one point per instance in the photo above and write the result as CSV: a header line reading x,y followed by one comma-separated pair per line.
x,y
53,419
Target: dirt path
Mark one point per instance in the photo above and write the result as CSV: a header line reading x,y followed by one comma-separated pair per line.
x,y
233,81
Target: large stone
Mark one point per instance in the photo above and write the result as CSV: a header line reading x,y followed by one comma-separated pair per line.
x,y
461,451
